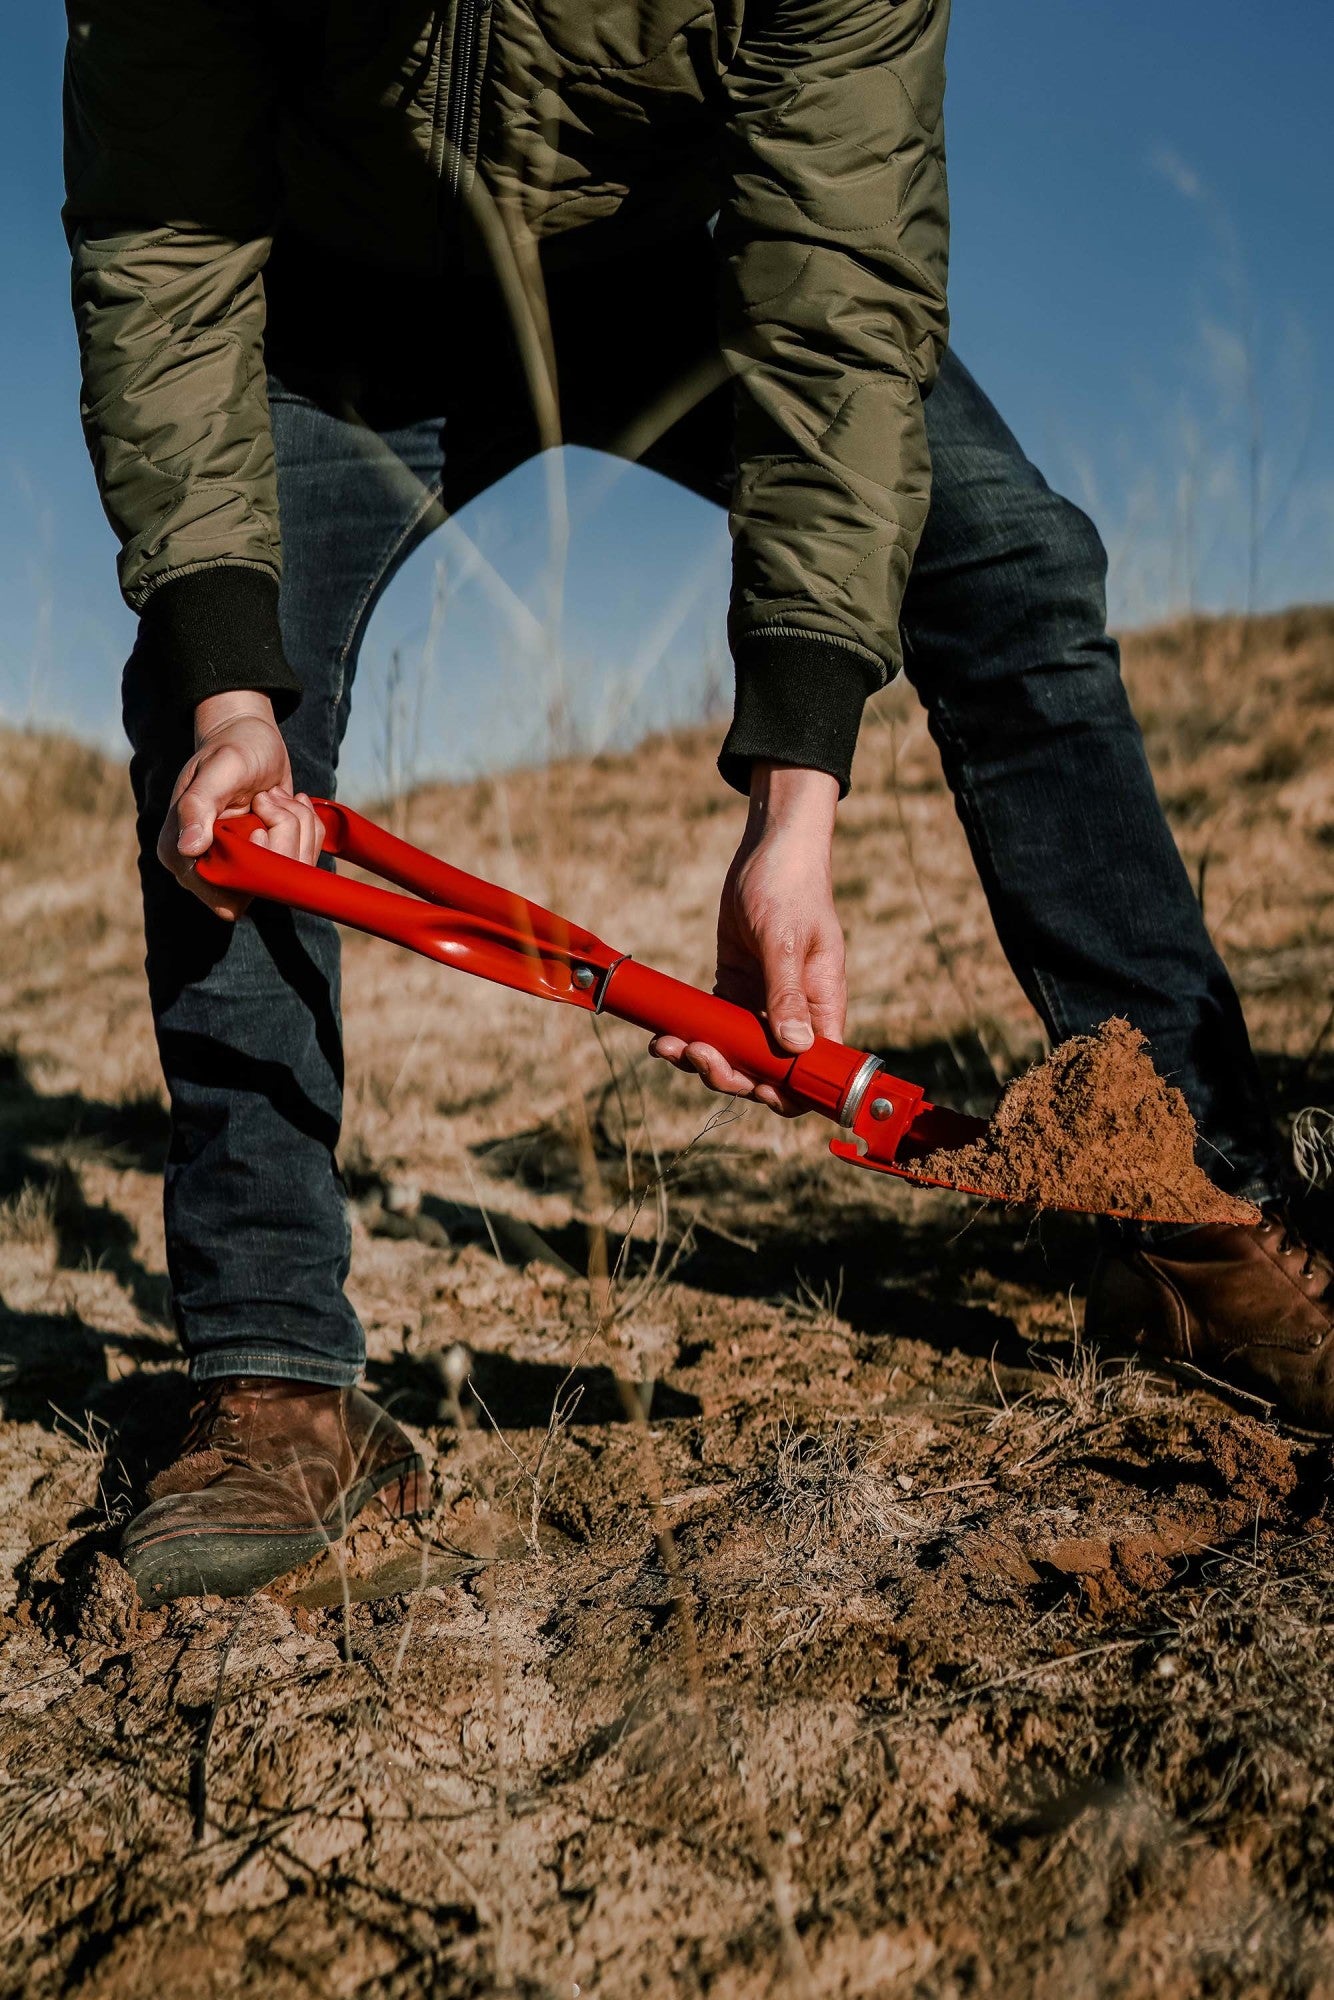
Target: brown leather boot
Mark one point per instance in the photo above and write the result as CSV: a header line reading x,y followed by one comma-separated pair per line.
x,y
1249,1308
270,1472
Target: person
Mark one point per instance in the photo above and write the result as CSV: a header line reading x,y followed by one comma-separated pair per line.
x,y
336,270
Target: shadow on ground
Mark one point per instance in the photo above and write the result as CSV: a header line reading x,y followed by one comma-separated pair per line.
x,y
44,1139
520,1394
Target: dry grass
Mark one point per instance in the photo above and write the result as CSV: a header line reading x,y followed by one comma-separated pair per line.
x,y
27,1220
879,1639
1080,1397
1313,1145
56,797
823,1491
817,1304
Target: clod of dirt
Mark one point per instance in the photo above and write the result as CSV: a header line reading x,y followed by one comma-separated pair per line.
x,y
1093,1127
104,1603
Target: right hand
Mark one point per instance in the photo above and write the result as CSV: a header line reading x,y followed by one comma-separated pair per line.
x,y
780,945
240,765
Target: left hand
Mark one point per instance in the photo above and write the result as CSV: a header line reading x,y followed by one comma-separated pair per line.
x,y
780,944
240,764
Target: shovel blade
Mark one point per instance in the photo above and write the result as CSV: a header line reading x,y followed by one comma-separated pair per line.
x,y
936,1128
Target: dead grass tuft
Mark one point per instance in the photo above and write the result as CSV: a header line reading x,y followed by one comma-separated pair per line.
x,y
823,1492
819,1306
28,1219
1089,1387
1083,1393
1313,1145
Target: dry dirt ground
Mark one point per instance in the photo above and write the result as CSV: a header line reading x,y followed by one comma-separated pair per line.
x,y
852,1630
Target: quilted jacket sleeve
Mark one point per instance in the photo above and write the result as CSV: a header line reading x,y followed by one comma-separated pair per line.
x,y
834,239
169,187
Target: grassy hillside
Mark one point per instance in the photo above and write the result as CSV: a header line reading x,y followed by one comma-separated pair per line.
x,y
874,1636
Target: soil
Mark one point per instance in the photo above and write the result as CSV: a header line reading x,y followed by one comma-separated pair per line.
x,y
1093,1127
876,1638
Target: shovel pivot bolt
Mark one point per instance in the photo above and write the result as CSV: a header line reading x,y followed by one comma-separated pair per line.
x,y
584,977
882,1107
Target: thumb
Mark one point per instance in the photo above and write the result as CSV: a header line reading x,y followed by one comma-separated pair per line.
x,y
196,810
785,999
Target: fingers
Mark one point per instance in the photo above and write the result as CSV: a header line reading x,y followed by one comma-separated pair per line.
x,y
698,1059
737,980
291,825
187,832
240,757
713,1069
779,1102
802,966
223,902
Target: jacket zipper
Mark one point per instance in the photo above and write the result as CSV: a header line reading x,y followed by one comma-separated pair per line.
x,y
459,103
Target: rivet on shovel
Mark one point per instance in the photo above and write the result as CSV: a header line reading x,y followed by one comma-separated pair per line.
x,y
882,1107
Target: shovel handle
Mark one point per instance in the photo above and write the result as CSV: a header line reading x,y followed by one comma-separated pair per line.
x,y
448,915
461,920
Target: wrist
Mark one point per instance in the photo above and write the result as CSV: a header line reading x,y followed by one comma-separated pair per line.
x,y
791,797
216,710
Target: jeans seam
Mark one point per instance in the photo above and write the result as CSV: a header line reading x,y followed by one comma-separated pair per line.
x,y
430,498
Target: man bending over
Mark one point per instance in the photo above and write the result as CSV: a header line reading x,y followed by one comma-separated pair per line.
x,y
336,269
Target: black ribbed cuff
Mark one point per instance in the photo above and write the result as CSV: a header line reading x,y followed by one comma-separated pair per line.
x,y
215,631
799,700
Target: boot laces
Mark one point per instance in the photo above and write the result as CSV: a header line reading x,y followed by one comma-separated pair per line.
x,y
212,1426
1291,1241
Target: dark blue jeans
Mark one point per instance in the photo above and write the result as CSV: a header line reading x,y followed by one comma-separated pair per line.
x,y
1006,642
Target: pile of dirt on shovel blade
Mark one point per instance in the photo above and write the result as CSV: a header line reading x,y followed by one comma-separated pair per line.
x,y
1093,1127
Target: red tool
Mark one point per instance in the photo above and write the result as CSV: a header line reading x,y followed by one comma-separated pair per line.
x,y
466,922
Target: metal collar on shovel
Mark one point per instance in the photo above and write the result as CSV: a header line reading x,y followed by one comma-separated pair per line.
x,y
466,922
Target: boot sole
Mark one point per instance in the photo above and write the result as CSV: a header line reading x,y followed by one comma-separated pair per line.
x,y
233,1561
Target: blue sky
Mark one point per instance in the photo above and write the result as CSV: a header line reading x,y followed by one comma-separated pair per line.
x,y
1141,280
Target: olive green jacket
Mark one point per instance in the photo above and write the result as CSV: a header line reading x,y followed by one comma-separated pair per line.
x,y
812,129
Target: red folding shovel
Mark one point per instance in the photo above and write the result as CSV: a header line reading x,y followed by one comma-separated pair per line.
x,y
886,1123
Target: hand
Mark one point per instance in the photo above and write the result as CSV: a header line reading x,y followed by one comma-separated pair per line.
x,y
240,765
780,945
